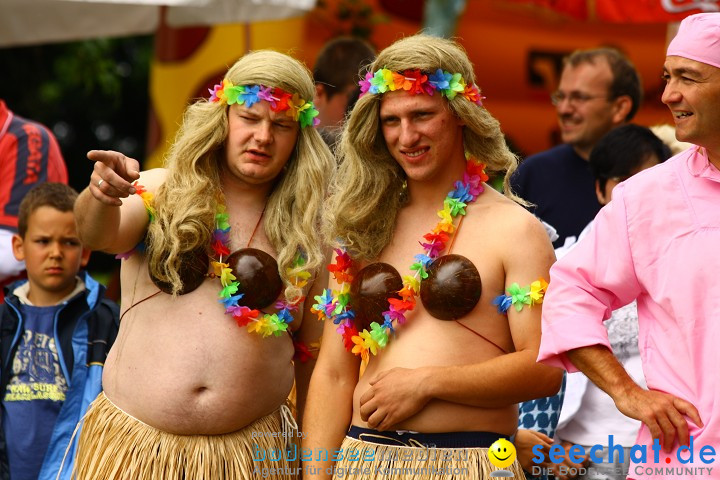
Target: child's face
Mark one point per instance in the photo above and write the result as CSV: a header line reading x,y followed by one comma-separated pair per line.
x,y
52,253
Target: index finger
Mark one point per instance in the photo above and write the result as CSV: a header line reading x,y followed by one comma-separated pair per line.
x,y
125,167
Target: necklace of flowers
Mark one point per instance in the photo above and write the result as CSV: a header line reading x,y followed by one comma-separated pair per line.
x,y
416,82
335,305
265,324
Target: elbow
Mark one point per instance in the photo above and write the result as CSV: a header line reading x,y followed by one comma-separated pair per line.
x,y
551,381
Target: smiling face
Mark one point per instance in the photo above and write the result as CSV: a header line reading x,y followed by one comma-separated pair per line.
x,y
52,253
502,453
259,142
691,93
586,112
421,133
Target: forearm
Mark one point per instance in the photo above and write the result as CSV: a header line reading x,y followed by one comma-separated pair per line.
x,y
498,382
97,223
327,417
603,369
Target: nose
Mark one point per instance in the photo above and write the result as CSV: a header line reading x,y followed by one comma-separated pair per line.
x,y
409,135
55,250
564,106
670,94
264,133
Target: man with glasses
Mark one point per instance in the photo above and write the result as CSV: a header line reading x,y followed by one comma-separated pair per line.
x,y
599,90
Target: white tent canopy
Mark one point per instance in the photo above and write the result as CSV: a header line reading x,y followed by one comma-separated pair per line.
x,y
28,22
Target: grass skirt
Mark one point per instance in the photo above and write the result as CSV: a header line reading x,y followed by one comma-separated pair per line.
x,y
115,446
390,462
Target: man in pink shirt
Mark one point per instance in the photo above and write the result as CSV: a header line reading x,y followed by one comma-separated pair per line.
x,y
657,242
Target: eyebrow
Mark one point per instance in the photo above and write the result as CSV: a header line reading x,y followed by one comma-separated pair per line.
x,y
683,71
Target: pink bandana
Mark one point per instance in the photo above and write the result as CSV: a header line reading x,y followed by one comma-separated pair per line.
x,y
698,39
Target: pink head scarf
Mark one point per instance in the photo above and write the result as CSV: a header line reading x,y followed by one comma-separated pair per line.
x,y
698,39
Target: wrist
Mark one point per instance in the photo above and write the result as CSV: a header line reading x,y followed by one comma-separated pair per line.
x,y
429,383
622,387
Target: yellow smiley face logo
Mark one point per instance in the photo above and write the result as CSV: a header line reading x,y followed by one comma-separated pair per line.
x,y
502,453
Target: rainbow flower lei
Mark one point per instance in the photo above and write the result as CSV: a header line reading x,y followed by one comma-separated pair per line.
x,y
300,110
335,305
268,323
416,82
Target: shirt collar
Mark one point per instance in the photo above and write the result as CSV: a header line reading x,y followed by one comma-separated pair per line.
x,y
699,165
22,292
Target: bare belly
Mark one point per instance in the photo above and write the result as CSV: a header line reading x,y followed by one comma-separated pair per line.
x,y
451,345
181,365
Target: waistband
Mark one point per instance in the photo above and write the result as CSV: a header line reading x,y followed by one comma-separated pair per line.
x,y
404,438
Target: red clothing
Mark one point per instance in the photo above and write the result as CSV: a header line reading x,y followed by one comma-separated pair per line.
x,y
29,155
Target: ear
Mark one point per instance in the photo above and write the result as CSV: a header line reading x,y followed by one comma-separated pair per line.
x,y
600,194
621,108
17,246
320,95
85,257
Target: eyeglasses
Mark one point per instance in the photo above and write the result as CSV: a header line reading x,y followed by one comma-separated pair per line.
x,y
575,98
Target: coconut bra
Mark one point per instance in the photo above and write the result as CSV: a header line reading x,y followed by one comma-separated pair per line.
x,y
256,271
249,278
450,291
370,304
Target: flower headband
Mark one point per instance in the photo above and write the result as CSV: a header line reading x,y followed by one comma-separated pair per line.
x,y
416,82
280,100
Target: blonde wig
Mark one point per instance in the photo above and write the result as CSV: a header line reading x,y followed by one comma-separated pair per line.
x,y
186,202
365,197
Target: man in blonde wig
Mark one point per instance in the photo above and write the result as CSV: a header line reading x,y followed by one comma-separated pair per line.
x,y
213,297
443,321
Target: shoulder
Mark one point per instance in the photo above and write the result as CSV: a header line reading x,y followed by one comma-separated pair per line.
x,y
654,181
152,179
547,164
554,154
24,127
508,218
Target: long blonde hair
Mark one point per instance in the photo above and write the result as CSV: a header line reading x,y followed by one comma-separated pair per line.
x,y
365,197
187,201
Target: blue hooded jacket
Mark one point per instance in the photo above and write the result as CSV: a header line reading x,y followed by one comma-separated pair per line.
x,y
84,330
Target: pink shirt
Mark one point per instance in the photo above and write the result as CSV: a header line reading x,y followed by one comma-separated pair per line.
x,y
658,241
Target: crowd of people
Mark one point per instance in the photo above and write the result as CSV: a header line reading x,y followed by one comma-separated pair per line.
x,y
352,300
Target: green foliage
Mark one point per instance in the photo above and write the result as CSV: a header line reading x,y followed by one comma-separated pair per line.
x,y
92,94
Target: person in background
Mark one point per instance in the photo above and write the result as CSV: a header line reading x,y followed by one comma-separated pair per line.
x,y
56,332
599,90
338,67
655,243
29,156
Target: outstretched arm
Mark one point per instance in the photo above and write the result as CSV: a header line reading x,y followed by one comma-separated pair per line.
x,y
661,412
109,217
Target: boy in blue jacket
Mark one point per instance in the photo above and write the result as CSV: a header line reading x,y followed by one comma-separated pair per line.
x,y
55,331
